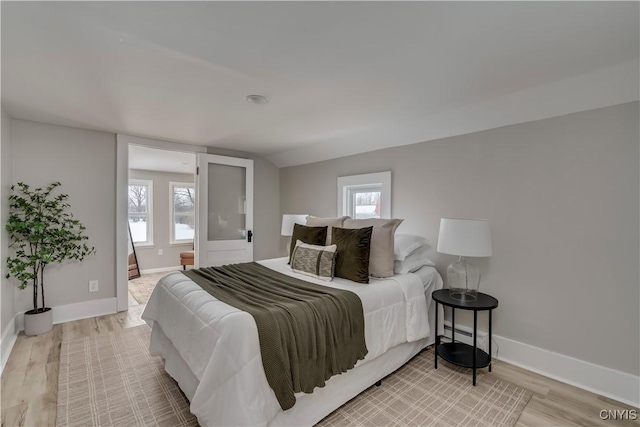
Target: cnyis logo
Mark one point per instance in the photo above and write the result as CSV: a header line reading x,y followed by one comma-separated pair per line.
x,y
619,414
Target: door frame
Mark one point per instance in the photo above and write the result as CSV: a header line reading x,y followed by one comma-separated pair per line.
x,y
122,197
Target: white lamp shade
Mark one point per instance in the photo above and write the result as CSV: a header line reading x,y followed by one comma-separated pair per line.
x,y
289,220
465,237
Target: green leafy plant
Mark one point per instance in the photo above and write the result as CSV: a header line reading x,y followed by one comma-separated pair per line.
x,y
42,231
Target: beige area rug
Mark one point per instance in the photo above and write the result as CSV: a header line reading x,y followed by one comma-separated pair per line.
x,y
111,380
419,395
142,287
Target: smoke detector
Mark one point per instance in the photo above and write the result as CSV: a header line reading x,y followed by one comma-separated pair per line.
x,y
256,99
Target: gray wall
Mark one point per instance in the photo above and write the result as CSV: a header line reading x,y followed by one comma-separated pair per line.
x,y
7,290
148,257
266,204
562,196
85,163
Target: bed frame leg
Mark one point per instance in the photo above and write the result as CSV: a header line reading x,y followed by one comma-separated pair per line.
x,y
378,383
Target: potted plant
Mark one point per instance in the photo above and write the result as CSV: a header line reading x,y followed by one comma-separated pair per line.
x,y
41,232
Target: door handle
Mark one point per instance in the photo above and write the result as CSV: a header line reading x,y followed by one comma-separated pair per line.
x,y
249,236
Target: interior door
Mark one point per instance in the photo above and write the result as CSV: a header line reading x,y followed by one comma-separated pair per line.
x,y
224,190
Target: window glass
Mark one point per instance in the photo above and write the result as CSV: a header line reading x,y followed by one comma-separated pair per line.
x,y
183,211
365,204
140,211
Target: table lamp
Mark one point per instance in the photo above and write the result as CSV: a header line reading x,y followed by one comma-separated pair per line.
x,y
288,221
464,238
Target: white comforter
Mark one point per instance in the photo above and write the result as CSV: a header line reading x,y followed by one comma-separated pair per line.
x,y
220,344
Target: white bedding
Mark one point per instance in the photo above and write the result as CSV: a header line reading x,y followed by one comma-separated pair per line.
x,y
219,343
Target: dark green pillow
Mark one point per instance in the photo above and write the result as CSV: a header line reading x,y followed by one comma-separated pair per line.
x,y
309,235
352,259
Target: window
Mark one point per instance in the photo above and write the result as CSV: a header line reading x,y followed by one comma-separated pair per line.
x,y
140,211
183,212
364,202
365,196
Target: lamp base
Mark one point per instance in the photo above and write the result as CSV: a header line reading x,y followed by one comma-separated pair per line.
x,y
463,279
463,295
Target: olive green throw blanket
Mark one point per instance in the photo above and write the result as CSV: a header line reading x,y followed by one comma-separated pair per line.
x,y
307,332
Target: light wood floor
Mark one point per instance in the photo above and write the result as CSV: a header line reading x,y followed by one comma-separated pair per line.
x,y
30,381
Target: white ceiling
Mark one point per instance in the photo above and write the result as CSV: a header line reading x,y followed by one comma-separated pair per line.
x,y
342,77
154,159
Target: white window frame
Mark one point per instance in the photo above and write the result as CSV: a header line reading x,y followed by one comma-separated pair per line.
x,y
172,228
373,181
149,184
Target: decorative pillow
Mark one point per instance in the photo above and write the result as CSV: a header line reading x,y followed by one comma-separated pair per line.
x,y
354,247
406,244
381,262
313,221
413,262
313,260
310,235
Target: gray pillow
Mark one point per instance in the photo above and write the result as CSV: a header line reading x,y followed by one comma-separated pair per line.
x,y
313,221
382,240
313,260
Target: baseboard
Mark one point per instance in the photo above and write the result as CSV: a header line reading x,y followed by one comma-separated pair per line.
x,y
607,382
160,270
77,311
482,340
9,336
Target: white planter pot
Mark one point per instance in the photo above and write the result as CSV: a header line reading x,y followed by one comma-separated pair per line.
x,y
38,323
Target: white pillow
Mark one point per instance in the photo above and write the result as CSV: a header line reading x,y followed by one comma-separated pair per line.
x,y
413,262
406,244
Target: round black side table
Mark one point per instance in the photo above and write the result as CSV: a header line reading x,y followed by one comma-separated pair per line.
x,y
458,353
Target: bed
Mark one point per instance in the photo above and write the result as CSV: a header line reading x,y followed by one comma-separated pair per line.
x,y
211,348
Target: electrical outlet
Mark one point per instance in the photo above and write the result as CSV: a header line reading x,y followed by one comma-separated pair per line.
x,y
160,251
93,286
